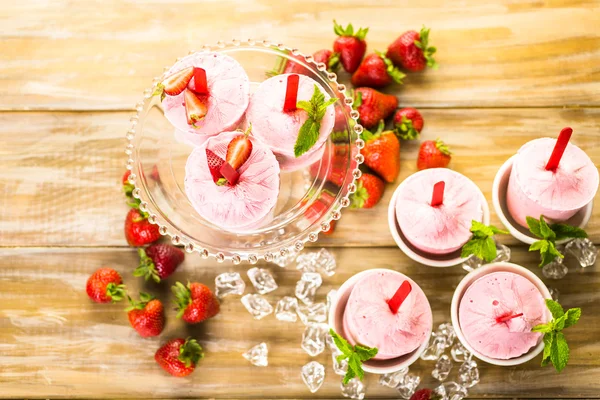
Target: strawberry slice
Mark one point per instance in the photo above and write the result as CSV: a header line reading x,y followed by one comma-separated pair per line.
x,y
214,164
176,83
238,151
195,109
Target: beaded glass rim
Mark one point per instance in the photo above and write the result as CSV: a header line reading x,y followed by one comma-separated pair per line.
x,y
310,235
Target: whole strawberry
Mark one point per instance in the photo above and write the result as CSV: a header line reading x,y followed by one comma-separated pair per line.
x,y
331,228
350,46
411,51
138,230
179,357
376,71
335,164
195,302
423,394
105,285
408,123
329,58
373,106
146,316
433,154
382,153
369,189
158,261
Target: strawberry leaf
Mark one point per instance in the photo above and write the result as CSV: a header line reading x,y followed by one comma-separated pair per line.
x,y
115,292
159,90
357,100
391,69
190,352
183,297
428,52
146,267
334,62
443,147
405,130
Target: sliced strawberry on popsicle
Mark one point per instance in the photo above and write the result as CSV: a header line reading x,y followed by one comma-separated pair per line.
x,y
214,165
195,109
176,83
238,152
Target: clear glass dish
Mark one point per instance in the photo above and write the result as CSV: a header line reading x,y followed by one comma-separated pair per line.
x,y
157,162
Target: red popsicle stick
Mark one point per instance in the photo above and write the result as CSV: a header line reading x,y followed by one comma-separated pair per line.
x,y
559,149
438,194
200,84
399,297
229,173
508,317
291,93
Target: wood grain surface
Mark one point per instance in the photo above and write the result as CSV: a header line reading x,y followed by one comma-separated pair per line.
x,y
57,343
103,54
71,72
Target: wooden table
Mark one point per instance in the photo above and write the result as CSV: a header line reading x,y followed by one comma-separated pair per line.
x,y
510,71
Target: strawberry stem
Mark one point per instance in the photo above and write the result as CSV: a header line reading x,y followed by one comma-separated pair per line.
x,y
291,93
508,317
399,297
200,83
559,149
438,194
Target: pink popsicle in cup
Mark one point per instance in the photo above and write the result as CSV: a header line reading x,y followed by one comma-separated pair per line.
x,y
552,178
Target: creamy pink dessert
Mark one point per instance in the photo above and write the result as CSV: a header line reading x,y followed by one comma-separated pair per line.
x,y
227,99
245,205
368,319
497,312
557,195
439,229
279,129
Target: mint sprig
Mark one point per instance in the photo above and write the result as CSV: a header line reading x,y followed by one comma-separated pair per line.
x,y
548,235
309,131
556,349
482,244
355,355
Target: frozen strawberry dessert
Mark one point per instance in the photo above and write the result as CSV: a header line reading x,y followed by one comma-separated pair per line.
x,y
204,94
557,194
389,311
293,115
438,228
497,312
233,181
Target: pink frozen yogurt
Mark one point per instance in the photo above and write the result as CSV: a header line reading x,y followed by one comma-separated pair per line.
x,y
369,321
279,129
486,306
445,228
557,195
228,97
248,203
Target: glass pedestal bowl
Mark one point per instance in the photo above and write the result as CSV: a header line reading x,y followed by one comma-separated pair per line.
x,y
309,197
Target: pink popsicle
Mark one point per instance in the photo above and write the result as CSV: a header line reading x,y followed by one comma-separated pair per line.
x,y
243,206
279,129
368,319
444,228
558,195
489,315
228,98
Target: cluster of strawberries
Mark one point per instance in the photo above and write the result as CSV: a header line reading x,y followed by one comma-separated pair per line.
x,y
410,52
195,302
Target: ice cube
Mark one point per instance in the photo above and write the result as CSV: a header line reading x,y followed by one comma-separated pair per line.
x,y
326,262
408,386
316,312
307,286
354,389
435,349
393,379
502,253
472,263
313,339
257,305
286,309
313,375
258,355
446,331
583,250
262,279
229,283
459,353
442,369
555,270
468,374
339,367
450,391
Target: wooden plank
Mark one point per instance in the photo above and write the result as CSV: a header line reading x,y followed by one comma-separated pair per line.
x,y
55,343
60,172
90,55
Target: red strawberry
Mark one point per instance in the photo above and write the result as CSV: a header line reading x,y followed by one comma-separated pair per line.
x,y
382,153
411,52
373,106
336,164
138,230
125,178
350,46
127,187
320,206
238,151
214,164
176,83
195,109
154,175
423,394
179,356
369,190
433,154
146,316
329,58
158,261
331,228
105,285
376,71
196,303
408,123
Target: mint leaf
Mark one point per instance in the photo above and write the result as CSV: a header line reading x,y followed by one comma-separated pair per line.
x,y
365,353
572,316
341,343
356,355
482,244
534,227
564,231
544,328
560,352
309,131
548,342
545,230
555,308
